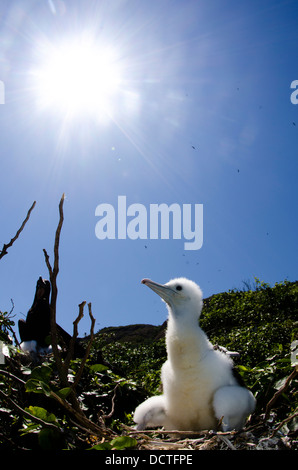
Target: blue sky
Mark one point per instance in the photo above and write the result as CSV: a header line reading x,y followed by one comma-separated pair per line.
x,y
202,116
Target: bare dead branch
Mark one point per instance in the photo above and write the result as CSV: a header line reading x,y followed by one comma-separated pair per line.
x,y
53,272
279,392
12,376
91,328
8,245
82,365
62,367
226,441
80,418
77,415
289,418
57,237
75,334
26,413
9,328
113,404
73,407
47,260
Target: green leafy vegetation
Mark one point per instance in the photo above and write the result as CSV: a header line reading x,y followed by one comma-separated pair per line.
x,y
260,324
58,402
36,411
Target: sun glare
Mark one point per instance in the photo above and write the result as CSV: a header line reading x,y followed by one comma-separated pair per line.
x,y
77,78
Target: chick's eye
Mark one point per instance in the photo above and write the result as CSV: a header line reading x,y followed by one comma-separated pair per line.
x,y
178,287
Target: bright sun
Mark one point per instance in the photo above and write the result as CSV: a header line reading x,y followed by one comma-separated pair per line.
x,y
77,78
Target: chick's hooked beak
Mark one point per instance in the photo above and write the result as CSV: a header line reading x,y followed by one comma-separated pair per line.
x,y
164,291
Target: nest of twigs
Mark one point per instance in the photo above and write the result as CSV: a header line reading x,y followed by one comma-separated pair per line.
x,y
262,435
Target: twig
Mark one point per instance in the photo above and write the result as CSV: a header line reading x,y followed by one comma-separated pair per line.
x,y
82,365
166,431
62,368
26,413
80,417
12,376
9,328
279,392
8,245
113,404
75,334
53,272
226,441
73,407
54,281
289,418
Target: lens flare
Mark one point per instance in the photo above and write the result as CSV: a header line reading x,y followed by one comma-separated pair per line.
x,y
77,78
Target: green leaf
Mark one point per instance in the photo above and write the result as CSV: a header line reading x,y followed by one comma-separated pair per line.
x,y
243,368
119,443
30,428
42,373
49,439
103,446
33,385
64,392
123,442
37,386
39,380
42,413
98,368
46,389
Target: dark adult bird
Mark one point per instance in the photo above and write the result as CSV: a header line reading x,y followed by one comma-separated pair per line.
x,y
35,332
